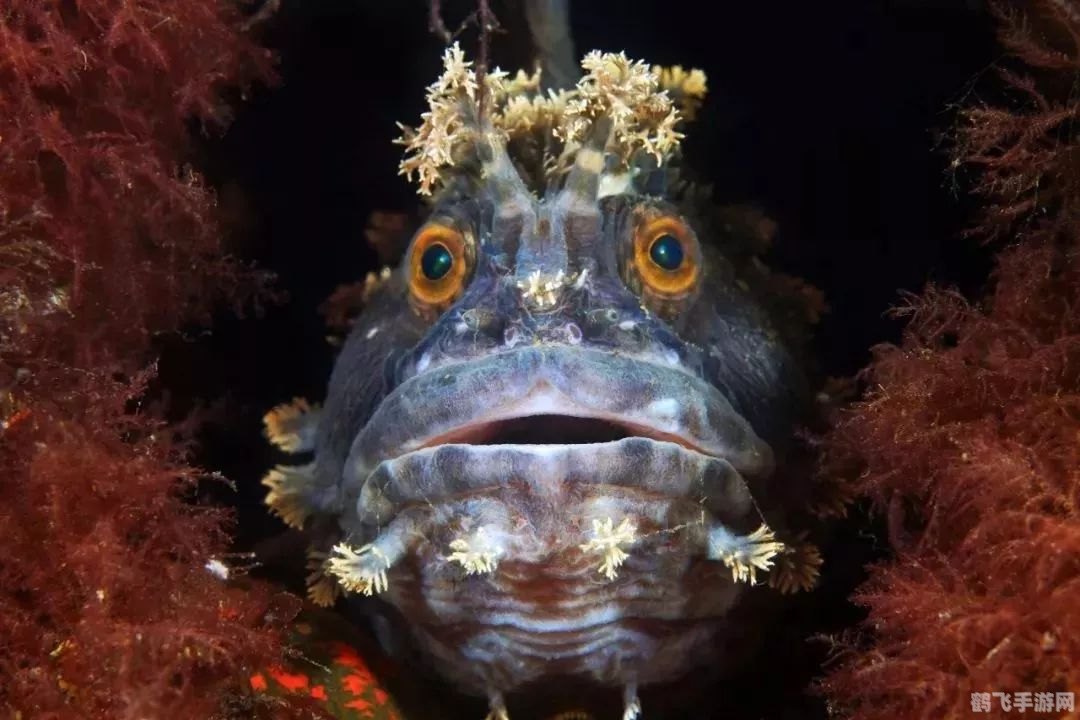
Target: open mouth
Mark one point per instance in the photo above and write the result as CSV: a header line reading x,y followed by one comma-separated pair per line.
x,y
541,430
537,430
552,429
547,398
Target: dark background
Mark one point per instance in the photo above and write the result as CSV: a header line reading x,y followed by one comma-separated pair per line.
x,y
829,116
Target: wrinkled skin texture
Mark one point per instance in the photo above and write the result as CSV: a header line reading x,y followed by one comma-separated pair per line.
x,y
549,449
533,422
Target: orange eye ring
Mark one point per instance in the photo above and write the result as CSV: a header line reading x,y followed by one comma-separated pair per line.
x,y
666,257
439,261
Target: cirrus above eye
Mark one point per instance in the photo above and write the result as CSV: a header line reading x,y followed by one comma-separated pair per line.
x,y
438,266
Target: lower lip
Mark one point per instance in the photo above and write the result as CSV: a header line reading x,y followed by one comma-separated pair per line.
x,y
549,473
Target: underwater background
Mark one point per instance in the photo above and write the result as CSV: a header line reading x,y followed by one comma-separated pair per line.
x,y
838,121
831,121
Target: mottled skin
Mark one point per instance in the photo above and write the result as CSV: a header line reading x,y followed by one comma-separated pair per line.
x,y
665,413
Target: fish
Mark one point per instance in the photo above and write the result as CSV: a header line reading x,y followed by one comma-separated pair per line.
x,y
548,442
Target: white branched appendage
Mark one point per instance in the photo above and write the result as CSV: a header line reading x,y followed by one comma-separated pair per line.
x,y
744,554
293,495
686,87
362,570
631,703
797,567
430,147
291,487
542,290
478,554
627,91
292,426
497,707
322,588
607,540
645,105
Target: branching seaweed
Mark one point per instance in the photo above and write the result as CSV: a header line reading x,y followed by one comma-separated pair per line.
x,y
107,605
968,436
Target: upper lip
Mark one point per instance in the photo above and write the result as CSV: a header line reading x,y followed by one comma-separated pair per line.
x,y
474,401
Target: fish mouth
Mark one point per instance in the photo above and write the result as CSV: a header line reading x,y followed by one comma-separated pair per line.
x,y
517,455
540,399
549,429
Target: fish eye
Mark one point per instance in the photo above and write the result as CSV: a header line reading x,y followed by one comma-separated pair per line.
x,y
665,257
436,261
667,252
438,265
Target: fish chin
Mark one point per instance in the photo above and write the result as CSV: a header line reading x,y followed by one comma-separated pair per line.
x,y
578,559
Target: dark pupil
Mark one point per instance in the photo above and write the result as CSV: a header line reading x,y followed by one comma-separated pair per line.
x,y
667,252
436,262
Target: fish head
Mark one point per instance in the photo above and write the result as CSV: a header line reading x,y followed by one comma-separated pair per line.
x,y
545,440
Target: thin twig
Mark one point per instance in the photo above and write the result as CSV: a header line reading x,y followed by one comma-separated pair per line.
x,y
487,23
435,21
264,13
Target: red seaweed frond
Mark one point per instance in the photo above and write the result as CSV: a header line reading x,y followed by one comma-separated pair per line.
x,y
1026,165
109,608
101,224
969,435
112,600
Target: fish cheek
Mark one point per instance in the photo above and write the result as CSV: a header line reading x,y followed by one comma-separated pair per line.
x,y
745,357
365,369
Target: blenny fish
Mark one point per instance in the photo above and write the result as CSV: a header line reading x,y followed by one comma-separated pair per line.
x,y
547,441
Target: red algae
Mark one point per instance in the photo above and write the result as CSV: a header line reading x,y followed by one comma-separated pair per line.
x,y
107,608
969,437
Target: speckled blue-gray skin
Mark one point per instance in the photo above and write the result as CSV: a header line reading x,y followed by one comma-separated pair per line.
x,y
552,467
